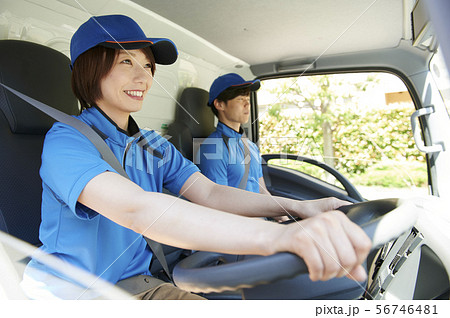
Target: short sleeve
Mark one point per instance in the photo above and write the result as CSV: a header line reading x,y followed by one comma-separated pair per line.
x,y
213,160
69,162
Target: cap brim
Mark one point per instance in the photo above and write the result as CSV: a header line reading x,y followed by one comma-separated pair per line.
x,y
254,86
164,50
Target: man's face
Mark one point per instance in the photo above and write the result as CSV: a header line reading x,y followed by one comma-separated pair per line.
x,y
237,110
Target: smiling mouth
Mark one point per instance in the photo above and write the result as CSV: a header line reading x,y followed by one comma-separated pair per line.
x,y
138,94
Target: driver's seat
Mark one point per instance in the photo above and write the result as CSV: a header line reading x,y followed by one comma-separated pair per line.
x,y
43,74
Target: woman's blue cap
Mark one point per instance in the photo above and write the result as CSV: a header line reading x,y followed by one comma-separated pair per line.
x,y
229,80
119,32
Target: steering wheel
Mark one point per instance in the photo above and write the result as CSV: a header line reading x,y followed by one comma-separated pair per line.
x,y
348,186
382,220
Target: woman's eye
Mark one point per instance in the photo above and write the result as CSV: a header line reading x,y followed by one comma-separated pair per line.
x,y
126,61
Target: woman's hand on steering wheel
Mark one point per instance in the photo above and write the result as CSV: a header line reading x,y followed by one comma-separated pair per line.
x,y
330,244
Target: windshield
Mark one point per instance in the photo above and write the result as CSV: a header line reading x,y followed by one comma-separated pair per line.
x,y
357,123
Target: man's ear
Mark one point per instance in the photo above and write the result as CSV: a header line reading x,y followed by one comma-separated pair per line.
x,y
219,105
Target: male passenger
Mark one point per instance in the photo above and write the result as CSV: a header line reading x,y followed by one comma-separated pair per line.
x,y
226,154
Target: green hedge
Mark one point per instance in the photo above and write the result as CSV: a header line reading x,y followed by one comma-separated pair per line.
x,y
371,148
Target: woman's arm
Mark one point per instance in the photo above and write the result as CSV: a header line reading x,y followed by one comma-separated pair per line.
x,y
174,221
330,244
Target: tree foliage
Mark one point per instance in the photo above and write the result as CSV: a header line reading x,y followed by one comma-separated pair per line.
x,y
319,94
362,138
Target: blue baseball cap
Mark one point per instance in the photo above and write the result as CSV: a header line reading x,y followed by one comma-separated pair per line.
x,y
119,32
229,80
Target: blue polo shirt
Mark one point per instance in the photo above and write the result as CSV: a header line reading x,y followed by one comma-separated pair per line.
x,y
223,161
80,235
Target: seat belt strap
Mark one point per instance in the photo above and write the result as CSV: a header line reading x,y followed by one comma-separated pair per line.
x,y
101,146
244,179
82,127
243,183
157,249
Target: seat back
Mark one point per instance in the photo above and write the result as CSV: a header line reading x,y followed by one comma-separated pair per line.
x,y
43,74
193,119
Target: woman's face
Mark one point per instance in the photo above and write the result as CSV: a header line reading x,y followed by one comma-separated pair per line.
x,y
126,84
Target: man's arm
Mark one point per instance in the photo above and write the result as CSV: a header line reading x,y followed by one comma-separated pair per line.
x,y
201,190
330,244
262,186
263,190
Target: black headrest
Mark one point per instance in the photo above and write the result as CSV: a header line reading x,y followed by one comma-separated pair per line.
x,y
39,72
195,113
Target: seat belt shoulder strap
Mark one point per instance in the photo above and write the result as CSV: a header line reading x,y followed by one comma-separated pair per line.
x,y
244,179
101,146
247,161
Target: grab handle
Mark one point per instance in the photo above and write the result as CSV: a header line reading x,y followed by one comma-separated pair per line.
x,y
416,131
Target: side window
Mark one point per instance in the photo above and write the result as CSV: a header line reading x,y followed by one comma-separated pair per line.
x,y
357,123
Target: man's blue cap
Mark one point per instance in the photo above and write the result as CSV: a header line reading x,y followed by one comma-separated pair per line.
x,y
229,80
119,32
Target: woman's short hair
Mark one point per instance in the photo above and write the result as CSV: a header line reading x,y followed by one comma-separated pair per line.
x,y
91,67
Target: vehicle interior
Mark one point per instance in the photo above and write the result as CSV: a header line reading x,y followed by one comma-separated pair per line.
x,y
390,47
